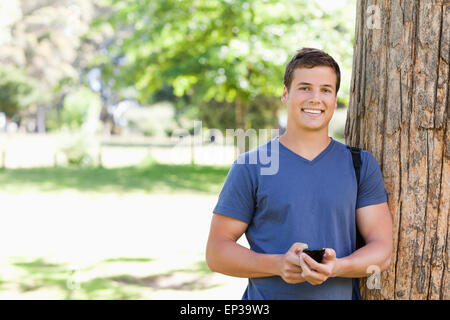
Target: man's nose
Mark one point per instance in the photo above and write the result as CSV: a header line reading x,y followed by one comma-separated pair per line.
x,y
315,96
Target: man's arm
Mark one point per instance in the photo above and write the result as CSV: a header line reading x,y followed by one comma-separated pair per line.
x,y
225,256
375,225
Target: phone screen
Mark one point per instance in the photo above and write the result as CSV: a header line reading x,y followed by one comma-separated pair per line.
x,y
316,254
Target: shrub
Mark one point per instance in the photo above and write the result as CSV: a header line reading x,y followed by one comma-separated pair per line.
x,y
80,149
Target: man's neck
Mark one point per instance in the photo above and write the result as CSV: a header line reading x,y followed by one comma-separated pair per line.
x,y
306,144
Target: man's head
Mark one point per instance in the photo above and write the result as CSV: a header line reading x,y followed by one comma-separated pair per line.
x,y
309,58
311,82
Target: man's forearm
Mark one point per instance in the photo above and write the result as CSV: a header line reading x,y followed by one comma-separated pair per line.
x,y
361,263
230,258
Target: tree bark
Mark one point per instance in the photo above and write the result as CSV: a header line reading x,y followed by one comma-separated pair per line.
x,y
398,111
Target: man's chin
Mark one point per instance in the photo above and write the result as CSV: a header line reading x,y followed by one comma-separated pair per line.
x,y
312,128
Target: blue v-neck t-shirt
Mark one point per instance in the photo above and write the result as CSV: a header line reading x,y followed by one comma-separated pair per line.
x,y
300,200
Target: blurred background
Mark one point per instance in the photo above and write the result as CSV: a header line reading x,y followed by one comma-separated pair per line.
x,y
103,192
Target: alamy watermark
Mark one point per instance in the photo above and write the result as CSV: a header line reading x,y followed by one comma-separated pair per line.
x,y
258,140
373,281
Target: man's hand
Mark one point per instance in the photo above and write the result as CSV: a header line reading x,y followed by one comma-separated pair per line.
x,y
289,265
317,273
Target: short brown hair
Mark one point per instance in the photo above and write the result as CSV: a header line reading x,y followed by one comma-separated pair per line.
x,y
310,58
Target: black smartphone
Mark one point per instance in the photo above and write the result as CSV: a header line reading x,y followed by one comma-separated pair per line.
x,y
316,254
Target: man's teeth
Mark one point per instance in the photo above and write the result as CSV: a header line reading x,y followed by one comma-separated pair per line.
x,y
312,111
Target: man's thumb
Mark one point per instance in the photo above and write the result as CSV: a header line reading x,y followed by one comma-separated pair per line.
x,y
330,254
298,247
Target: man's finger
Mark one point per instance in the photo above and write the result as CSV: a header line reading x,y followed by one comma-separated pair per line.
x,y
304,266
330,254
292,258
314,265
309,273
298,247
293,277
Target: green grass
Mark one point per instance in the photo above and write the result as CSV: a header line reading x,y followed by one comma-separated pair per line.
x,y
39,274
42,277
151,178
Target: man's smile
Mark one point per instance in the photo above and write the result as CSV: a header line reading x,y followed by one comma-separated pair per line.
x,y
313,112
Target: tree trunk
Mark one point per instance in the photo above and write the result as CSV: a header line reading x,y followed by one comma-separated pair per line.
x,y
399,112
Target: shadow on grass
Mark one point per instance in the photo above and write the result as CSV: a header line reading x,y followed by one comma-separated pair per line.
x,y
195,278
41,275
149,178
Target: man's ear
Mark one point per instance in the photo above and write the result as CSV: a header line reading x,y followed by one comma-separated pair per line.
x,y
284,96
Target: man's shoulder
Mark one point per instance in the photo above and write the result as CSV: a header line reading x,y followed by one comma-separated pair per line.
x,y
365,154
369,163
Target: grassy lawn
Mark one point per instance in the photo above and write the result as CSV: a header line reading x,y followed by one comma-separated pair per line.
x,y
122,278
139,255
151,178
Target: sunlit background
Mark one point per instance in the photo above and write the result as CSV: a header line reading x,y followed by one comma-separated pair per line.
x,y
104,194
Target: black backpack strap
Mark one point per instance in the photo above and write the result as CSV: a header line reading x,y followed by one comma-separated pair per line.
x,y
357,163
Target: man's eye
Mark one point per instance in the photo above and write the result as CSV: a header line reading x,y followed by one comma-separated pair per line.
x,y
326,90
304,88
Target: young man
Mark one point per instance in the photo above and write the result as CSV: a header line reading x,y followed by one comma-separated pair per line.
x,y
312,201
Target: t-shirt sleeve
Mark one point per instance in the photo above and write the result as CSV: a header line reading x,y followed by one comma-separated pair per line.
x,y
371,188
236,199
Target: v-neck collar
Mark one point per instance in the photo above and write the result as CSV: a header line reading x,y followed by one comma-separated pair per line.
x,y
310,162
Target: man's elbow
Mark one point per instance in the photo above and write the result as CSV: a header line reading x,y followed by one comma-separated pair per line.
x,y
210,262
384,255
210,258
387,261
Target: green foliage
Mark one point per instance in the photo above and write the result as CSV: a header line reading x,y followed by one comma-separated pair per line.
x,y
17,91
154,120
80,149
219,51
221,114
80,106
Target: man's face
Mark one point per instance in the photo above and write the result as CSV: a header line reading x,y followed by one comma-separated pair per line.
x,y
311,99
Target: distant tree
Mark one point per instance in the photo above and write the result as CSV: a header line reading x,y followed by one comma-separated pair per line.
x,y
228,53
44,38
17,91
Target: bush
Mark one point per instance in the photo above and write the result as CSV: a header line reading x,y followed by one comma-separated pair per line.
x,y
18,91
80,149
80,108
154,120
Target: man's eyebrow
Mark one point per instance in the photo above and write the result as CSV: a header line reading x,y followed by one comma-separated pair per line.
x,y
304,83
310,84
